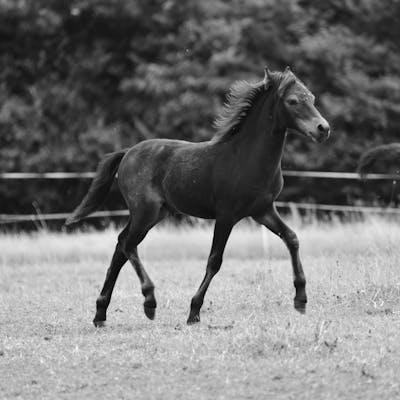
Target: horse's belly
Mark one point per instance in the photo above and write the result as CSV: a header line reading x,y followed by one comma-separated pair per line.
x,y
189,196
194,210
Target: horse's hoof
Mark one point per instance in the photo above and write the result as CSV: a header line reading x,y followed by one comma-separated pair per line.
x,y
193,319
300,306
99,324
150,312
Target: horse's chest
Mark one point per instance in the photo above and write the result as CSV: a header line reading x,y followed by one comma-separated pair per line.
x,y
253,197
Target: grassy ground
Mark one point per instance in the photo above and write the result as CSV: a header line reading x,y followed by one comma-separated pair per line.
x,y
251,344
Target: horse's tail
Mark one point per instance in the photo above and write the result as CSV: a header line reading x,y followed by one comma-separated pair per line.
x,y
99,188
386,152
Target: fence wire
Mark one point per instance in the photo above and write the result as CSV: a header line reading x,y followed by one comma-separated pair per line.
x,y
300,174
16,218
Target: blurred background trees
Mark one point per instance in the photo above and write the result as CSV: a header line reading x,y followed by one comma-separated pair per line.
x,y
79,78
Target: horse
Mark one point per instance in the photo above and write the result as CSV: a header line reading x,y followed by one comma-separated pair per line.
x,y
236,174
385,152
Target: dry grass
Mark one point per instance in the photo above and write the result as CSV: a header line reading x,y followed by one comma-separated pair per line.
x,y
251,344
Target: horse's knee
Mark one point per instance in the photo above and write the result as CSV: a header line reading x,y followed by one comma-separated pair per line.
x,y
214,263
122,243
128,246
292,240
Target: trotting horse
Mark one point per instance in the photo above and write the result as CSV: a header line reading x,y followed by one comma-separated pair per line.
x,y
236,174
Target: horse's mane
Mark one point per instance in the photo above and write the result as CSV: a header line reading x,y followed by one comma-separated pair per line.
x,y
241,99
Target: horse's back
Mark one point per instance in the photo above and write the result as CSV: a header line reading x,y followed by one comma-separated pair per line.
x,y
152,155
174,172
146,160
144,166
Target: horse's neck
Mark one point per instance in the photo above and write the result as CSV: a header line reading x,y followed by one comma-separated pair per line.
x,y
260,141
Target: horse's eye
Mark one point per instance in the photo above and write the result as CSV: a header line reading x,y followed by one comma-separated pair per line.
x,y
292,101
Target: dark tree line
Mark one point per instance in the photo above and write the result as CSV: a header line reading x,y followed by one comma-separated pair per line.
x,y
81,78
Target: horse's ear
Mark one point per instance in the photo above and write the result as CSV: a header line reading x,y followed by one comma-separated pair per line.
x,y
267,77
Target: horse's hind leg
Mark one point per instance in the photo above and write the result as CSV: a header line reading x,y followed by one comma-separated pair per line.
x,y
143,219
117,262
139,224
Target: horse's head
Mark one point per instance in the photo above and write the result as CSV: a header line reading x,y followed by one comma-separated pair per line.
x,y
296,106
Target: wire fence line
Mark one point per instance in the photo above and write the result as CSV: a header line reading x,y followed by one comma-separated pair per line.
x,y
17,218
339,175
14,218
46,175
292,173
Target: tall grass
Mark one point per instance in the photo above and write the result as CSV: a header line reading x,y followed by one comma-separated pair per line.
x,y
251,344
248,241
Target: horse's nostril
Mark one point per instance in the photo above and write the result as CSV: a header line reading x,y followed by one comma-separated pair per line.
x,y
323,129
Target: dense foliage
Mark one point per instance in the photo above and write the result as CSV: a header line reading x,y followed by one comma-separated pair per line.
x,y
84,77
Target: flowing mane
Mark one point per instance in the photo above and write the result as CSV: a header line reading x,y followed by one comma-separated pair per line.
x,y
240,99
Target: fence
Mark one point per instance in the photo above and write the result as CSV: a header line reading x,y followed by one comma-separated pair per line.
x,y
300,174
15,218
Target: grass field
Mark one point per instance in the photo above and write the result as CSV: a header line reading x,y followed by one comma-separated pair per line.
x,y
250,344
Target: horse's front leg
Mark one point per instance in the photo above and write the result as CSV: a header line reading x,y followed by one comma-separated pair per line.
x,y
222,231
274,223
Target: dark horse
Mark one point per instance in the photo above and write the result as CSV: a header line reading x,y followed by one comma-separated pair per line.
x,y
385,152
234,175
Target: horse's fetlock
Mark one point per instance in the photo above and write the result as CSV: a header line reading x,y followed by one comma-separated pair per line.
x,y
101,302
299,283
196,303
148,290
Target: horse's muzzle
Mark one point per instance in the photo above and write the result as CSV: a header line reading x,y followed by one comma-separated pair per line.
x,y
322,131
322,137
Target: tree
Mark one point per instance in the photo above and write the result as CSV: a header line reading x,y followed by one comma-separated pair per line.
x,y
81,78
